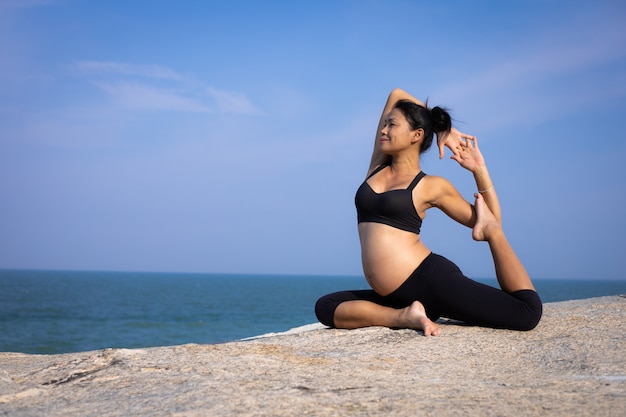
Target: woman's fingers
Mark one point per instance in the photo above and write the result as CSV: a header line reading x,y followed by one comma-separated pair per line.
x,y
470,141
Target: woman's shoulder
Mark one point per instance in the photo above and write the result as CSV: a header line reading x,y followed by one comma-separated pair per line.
x,y
436,181
435,186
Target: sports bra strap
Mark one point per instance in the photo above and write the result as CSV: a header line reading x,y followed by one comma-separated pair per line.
x,y
376,171
417,179
413,183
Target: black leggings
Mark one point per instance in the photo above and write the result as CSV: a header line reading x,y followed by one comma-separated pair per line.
x,y
445,292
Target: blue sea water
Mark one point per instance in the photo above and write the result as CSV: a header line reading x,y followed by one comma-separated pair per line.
x,y
59,312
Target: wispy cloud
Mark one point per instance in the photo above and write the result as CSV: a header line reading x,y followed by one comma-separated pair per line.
x,y
561,61
543,61
147,97
157,87
120,68
232,102
24,4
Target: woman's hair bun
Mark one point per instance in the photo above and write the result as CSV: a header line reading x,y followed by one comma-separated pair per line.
x,y
440,119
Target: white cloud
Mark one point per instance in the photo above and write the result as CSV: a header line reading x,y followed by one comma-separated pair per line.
x,y
148,71
119,80
232,102
146,97
558,57
542,61
23,4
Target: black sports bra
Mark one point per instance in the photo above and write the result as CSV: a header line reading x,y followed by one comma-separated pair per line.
x,y
394,208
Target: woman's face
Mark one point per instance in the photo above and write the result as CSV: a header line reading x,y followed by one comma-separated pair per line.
x,y
396,134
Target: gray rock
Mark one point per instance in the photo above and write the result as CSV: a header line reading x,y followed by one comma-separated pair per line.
x,y
572,364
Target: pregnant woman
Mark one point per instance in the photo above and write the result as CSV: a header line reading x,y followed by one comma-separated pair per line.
x,y
411,286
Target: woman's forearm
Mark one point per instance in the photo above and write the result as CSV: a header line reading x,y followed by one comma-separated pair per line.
x,y
486,188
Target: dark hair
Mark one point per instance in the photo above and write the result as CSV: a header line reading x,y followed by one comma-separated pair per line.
x,y
432,120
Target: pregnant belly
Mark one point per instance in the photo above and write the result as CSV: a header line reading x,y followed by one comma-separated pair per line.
x,y
389,256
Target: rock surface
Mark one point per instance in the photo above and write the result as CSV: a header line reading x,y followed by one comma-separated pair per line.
x,y
572,364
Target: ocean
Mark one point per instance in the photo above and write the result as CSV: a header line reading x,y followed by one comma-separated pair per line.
x,y
47,312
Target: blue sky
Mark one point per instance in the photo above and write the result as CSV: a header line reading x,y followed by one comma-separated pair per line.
x,y
231,136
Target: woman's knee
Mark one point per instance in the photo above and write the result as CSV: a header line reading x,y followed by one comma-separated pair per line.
x,y
325,310
325,307
533,309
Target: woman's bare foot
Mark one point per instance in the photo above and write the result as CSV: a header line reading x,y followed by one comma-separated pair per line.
x,y
414,317
486,222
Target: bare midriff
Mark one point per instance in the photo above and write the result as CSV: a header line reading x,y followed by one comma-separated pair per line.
x,y
389,255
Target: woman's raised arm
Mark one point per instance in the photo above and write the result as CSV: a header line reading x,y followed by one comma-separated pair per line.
x,y
396,95
470,158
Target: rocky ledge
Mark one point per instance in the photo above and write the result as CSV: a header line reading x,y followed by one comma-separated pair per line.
x,y
572,364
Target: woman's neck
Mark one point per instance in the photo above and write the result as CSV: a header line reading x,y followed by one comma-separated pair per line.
x,y
402,164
